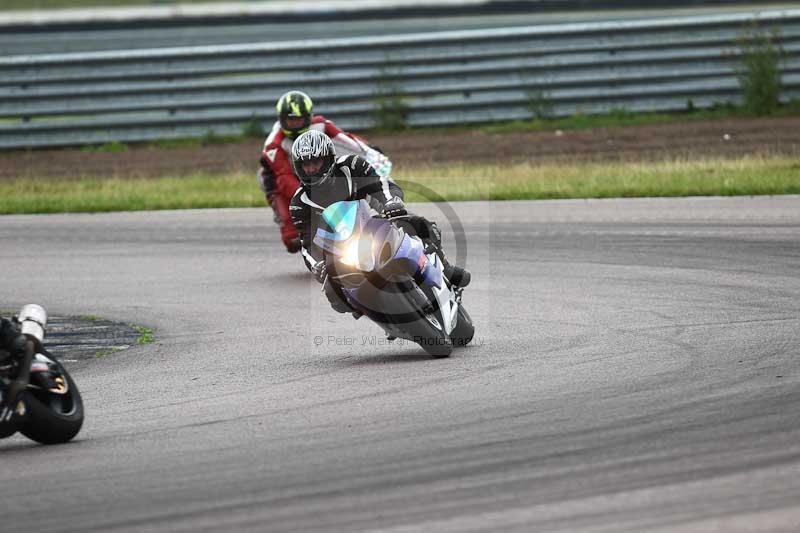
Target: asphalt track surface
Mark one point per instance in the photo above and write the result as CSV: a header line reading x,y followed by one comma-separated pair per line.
x,y
636,368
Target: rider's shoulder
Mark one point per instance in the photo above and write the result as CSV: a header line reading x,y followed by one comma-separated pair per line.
x,y
297,197
326,125
352,162
298,192
275,136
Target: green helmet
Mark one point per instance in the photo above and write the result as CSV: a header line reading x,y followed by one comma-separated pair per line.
x,y
295,111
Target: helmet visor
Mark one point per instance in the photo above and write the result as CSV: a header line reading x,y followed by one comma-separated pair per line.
x,y
313,167
295,123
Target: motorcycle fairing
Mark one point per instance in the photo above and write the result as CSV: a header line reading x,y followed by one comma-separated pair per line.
x,y
448,309
345,218
408,258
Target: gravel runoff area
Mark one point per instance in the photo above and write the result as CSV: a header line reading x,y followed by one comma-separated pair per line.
x,y
70,339
690,139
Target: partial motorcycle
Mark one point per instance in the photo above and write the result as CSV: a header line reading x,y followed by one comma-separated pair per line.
x,y
378,160
387,274
38,397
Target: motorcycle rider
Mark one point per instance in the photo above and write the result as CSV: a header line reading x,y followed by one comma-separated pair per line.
x,y
326,180
11,340
275,175
12,345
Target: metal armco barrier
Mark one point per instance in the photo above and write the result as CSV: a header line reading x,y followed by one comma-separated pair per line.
x,y
442,78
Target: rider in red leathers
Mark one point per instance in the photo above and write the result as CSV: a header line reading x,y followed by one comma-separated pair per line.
x,y
276,176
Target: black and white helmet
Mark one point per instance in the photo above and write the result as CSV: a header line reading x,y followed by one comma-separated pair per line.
x,y
313,157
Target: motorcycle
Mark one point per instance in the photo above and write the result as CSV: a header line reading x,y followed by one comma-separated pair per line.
x,y
378,160
372,154
386,273
38,397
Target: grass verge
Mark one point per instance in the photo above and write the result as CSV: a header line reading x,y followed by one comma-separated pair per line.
x,y
751,175
36,195
145,335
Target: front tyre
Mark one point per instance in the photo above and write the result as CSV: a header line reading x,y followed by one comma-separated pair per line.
x,y
464,331
53,418
437,347
436,343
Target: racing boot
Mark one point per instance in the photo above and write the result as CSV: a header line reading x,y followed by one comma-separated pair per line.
x,y
431,236
292,245
458,277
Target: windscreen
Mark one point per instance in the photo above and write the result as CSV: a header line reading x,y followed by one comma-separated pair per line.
x,y
345,218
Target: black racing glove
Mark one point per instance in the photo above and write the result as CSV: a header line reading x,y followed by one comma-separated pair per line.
x,y
394,208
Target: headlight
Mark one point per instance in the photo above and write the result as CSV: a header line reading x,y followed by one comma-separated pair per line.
x,y
357,253
350,255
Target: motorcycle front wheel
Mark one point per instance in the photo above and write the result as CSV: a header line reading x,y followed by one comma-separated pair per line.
x,y
435,342
53,418
464,331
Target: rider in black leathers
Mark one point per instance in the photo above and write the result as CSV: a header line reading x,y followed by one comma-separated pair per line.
x,y
11,340
326,180
12,345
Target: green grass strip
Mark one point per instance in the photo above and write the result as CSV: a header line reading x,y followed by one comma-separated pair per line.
x,y
708,177
752,175
35,195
